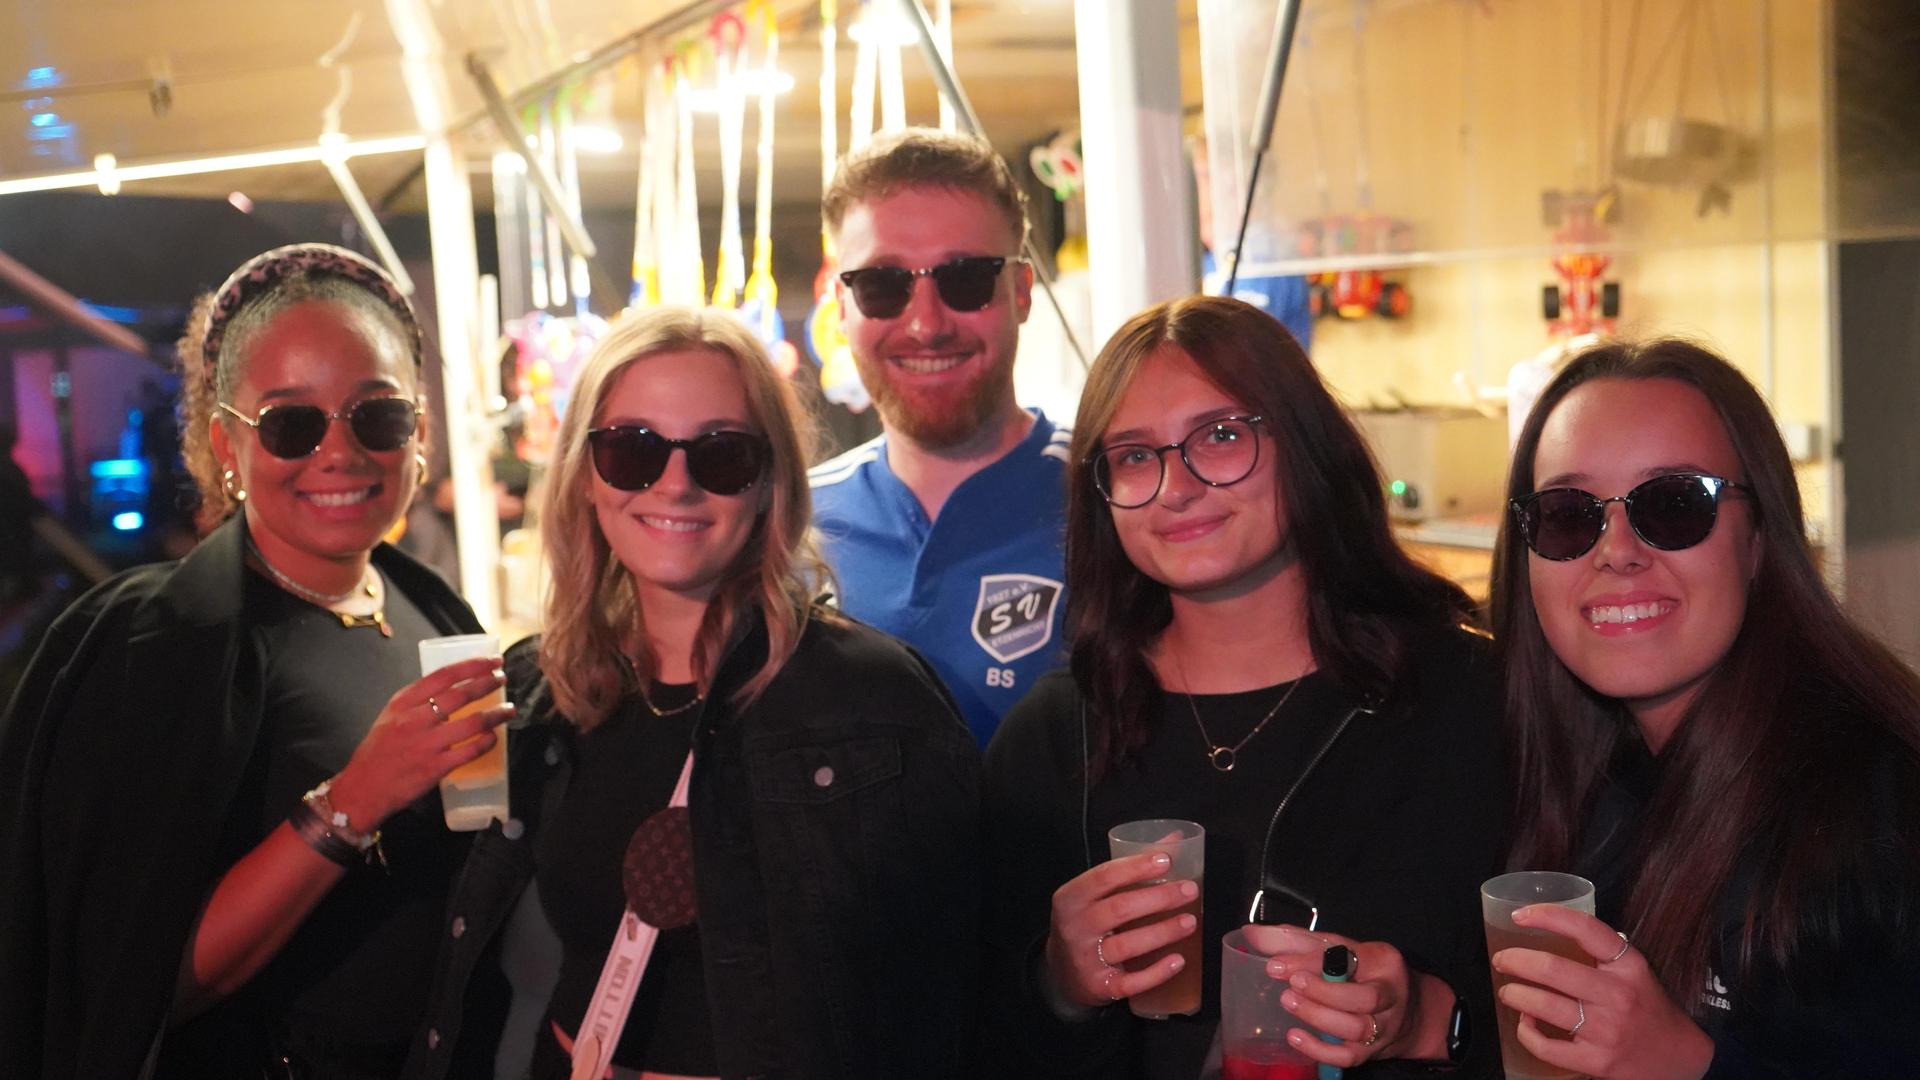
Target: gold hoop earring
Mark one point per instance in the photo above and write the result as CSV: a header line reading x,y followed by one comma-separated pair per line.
x,y
421,460
233,489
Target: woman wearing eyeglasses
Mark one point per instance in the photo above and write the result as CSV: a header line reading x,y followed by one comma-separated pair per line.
x,y
830,789
1250,651
1700,730
222,853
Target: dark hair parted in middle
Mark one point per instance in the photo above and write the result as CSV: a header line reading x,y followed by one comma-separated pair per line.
x,y
1770,758
1363,592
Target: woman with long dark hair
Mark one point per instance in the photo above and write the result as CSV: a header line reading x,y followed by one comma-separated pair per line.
x,y
1699,729
1253,652
222,852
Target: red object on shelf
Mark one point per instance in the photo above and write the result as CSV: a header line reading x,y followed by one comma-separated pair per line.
x,y
1582,302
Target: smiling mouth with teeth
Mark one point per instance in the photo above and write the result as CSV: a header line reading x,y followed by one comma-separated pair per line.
x,y
1627,613
340,498
928,365
672,525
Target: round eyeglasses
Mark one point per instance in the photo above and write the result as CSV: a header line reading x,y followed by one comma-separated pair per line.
x,y
1671,513
1218,453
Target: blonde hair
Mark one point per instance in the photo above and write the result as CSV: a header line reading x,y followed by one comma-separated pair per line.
x,y
593,617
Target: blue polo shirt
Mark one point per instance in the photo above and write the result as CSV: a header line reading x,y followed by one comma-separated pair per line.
x,y
979,591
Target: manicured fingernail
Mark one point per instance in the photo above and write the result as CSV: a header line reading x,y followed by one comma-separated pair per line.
x,y
1277,969
1299,980
1189,889
1522,915
510,706
1499,961
500,673
1162,860
1290,1001
1506,998
1178,962
1188,922
1296,1038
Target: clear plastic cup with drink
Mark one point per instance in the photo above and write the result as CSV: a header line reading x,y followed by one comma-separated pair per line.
x,y
1185,843
1253,1023
1499,899
474,793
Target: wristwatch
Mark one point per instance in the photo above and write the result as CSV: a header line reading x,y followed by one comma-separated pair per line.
x,y
336,821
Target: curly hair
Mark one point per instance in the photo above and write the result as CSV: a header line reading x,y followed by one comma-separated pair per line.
x,y
208,380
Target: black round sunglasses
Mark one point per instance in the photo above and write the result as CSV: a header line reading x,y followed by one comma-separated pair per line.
x,y
632,458
1670,513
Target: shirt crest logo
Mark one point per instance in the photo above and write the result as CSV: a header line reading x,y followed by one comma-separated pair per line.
x,y
1015,614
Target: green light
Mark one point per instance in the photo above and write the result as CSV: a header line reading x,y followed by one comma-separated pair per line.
x,y
1398,487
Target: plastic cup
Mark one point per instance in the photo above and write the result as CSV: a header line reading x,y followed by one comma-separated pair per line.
x,y
1185,843
1253,1023
474,793
1499,899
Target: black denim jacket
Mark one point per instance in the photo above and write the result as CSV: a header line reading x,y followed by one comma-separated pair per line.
x,y
836,854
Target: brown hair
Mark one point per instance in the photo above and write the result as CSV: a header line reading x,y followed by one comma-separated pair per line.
x,y
593,618
919,158
1772,760
1363,594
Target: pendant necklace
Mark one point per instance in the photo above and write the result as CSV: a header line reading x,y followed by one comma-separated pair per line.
x,y
377,620
1223,758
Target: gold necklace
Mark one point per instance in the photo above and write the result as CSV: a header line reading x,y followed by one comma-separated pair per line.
x,y
675,711
640,685
348,620
1223,758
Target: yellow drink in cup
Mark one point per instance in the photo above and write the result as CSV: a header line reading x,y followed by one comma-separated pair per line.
x,y
1499,899
474,793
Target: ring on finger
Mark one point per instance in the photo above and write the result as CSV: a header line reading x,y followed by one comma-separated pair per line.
x,y
1106,985
1373,1030
1582,1022
435,706
1099,950
1624,946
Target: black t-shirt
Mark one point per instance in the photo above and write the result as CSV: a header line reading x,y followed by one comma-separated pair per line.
x,y
1172,777
351,986
624,772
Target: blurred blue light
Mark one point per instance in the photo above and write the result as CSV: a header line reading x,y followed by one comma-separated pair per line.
x,y
115,468
128,521
117,314
35,104
45,119
56,131
42,76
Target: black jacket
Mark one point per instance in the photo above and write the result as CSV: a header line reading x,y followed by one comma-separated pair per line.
x,y
119,756
1390,832
836,858
1844,1005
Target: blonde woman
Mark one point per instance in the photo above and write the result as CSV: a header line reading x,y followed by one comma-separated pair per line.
x,y
831,789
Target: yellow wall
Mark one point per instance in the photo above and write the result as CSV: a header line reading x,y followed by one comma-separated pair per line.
x,y
1462,114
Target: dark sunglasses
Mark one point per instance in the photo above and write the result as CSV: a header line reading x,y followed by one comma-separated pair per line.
x,y
1671,513
965,284
723,462
380,424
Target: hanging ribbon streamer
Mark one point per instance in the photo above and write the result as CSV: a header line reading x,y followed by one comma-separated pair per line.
x,y
824,336
538,279
761,302
729,35
645,290
687,257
